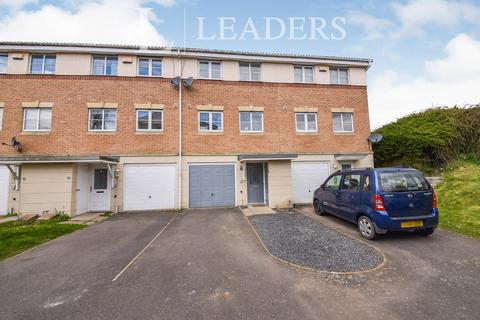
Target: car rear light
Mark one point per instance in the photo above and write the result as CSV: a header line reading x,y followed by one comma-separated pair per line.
x,y
378,204
434,200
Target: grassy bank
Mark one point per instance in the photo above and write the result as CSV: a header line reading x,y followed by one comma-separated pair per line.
x,y
459,199
16,236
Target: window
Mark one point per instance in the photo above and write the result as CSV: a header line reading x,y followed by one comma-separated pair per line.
x,y
3,63
338,75
351,182
346,166
100,179
1,118
102,119
250,71
306,122
149,120
333,183
150,67
366,183
210,69
251,121
37,119
303,74
43,64
210,121
405,181
342,122
105,66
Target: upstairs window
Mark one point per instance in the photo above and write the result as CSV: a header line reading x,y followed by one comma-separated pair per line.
x,y
342,122
150,67
102,119
250,71
43,64
37,119
338,75
149,120
210,121
105,66
3,62
1,118
306,122
303,74
251,121
210,70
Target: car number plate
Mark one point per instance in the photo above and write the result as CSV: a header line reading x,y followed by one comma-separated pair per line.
x,y
412,224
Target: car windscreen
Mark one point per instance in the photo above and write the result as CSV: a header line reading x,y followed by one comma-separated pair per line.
x,y
402,181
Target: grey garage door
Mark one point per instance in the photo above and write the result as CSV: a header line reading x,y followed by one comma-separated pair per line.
x,y
211,186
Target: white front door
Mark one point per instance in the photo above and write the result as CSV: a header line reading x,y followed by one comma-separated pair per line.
x,y
4,187
83,189
306,178
100,189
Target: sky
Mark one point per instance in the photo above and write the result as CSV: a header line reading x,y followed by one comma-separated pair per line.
x,y
425,53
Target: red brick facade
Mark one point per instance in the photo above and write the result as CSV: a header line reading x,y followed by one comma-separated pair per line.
x,y
70,95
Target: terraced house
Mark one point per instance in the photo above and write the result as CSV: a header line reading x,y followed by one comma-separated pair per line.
x,y
103,127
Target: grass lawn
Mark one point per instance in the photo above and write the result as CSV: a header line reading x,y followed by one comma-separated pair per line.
x,y
459,199
16,236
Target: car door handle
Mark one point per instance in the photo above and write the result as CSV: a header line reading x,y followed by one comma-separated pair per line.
x,y
354,197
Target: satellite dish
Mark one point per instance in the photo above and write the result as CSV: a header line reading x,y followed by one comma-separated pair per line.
x,y
14,143
375,137
188,82
175,81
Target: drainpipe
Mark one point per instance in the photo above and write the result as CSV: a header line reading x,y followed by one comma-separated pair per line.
x,y
180,165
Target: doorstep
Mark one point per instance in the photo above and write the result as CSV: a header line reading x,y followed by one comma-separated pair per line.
x,y
256,210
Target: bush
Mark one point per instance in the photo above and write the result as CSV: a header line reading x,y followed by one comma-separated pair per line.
x,y
430,139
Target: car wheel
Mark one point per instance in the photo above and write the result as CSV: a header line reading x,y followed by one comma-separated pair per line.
x,y
426,232
318,208
367,228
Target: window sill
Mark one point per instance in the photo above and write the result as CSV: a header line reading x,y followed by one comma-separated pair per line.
x,y
344,133
102,132
315,133
211,133
35,133
149,132
246,133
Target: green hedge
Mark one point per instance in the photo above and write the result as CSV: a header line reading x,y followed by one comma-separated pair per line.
x,y
430,139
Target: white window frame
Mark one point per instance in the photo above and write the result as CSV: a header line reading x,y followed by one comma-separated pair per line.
x,y
210,121
2,54
210,69
338,75
249,70
44,57
150,67
251,121
305,115
149,120
303,73
103,120
104,66
1,119
343,129
38,120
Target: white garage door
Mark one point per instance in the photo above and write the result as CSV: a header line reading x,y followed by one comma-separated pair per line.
x,y
4,179
149,187
306,178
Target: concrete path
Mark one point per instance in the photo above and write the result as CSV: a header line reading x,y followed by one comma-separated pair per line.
x,y
208,264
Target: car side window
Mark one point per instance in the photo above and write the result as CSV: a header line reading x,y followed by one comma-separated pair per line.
x,y
366,183
333,183
351,182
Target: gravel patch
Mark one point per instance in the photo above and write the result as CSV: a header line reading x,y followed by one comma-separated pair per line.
x,y
306,242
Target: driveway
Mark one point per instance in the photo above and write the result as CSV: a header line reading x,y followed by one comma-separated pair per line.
x,y
208,264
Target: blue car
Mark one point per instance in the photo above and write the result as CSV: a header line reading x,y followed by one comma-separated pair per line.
x,y
380,200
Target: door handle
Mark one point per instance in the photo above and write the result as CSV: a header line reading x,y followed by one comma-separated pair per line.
x,y
77,190
100,191
211,195
354,197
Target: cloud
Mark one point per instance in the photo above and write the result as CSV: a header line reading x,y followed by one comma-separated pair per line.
x,y
102,21
415,15
15,3
451,80
373,26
